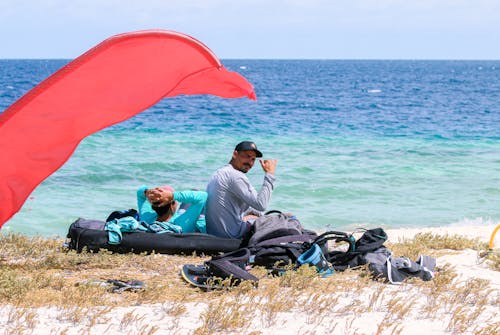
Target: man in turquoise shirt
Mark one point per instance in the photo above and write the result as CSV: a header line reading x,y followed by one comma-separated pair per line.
x,y
184,209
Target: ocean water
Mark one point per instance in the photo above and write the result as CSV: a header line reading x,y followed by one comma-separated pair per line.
x,y
359,144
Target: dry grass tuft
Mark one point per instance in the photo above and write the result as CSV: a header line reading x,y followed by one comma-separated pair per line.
x,y
430,244
224,315
494,260
493,328
491,257
453,242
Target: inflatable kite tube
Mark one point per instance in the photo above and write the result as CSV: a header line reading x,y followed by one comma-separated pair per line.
x,y
83,237
108,84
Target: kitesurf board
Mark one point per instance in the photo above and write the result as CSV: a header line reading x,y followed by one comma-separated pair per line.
x,y
83,235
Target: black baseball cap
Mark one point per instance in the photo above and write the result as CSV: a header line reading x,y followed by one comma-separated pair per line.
x,y
248,145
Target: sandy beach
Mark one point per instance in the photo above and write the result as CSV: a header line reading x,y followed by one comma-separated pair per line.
x,y
362,306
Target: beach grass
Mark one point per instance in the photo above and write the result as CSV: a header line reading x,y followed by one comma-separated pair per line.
x,y
39,274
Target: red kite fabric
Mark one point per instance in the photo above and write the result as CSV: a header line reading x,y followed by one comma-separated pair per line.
x,y
110,83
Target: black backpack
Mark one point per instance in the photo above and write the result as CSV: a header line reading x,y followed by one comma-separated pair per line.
x,y
371,240
123,213
278,239
281,251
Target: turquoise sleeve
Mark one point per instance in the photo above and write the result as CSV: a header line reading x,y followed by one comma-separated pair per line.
x,y
146,212
191,219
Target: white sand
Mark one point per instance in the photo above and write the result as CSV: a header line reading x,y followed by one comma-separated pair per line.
x,y
346,315
482,232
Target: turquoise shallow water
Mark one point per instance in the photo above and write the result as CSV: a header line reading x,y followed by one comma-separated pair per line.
x,y
359,143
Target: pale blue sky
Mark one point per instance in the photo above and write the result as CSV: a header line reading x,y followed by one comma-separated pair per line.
x,y
326,29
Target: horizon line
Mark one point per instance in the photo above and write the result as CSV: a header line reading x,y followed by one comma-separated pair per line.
x,y
297,59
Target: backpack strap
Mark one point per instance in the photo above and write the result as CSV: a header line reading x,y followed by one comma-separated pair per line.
x,y
222,268
231,265
239,257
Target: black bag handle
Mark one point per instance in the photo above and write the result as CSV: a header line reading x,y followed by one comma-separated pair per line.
x,y
273,211
337,236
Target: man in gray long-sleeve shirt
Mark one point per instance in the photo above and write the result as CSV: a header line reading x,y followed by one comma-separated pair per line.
x,y
230,193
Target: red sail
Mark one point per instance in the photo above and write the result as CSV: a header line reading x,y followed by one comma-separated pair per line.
x,y
110,83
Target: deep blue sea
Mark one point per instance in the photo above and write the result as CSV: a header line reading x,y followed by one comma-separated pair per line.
x,y
359,144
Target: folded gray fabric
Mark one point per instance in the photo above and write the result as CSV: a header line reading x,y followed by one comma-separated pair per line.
x,y
377,262
400,268
427,262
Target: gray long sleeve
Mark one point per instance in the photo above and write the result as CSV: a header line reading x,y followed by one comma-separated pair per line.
x,y
230,195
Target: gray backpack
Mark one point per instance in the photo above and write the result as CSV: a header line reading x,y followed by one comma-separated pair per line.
x,y
275,224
